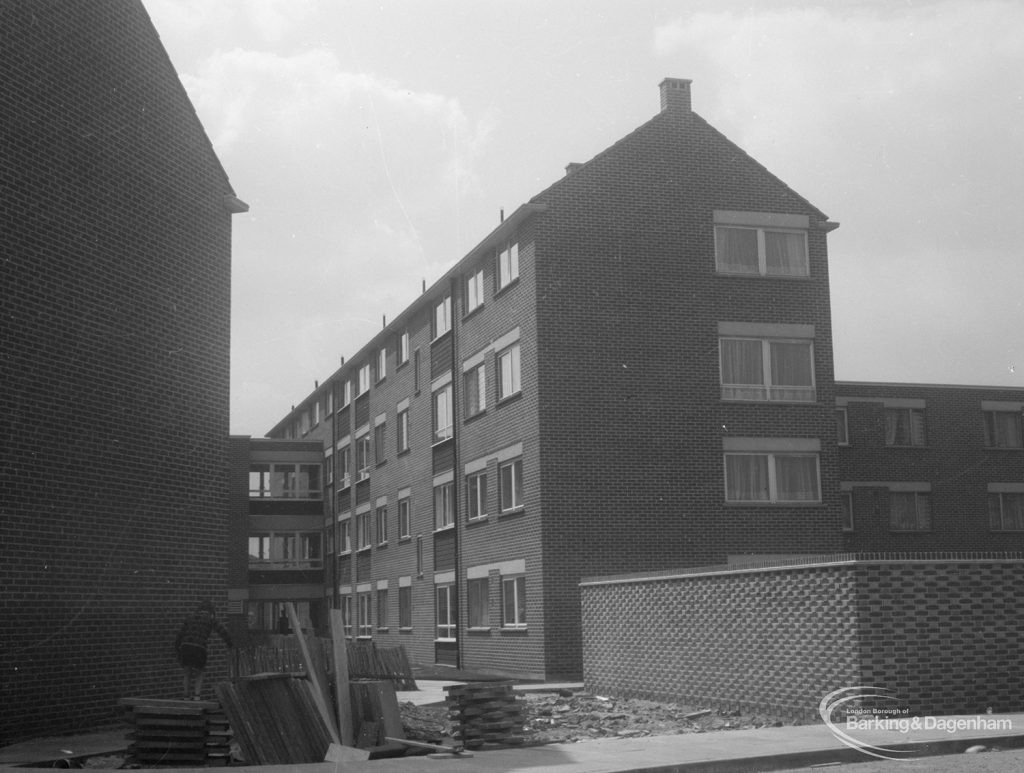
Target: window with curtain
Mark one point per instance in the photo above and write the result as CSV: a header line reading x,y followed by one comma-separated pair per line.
x,y
478,591
1006,511
1003,429
772,477
761,251
445,611
767,369
904,427
513,602
909,511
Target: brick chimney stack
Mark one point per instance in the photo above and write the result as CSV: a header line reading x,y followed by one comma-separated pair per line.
x,y
675,95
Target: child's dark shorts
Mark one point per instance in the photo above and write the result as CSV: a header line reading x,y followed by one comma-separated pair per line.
x,y
192,656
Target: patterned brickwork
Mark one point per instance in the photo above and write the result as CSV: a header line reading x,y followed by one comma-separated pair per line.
x,y
114,352
940,633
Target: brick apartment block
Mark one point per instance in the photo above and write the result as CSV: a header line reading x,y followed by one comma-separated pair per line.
x,y
115,235
567,399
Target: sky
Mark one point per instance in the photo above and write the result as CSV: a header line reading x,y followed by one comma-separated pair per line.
x,y
376,143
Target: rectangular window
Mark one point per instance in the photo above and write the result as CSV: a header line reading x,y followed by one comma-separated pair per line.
x,y
404,518
285,481
761,251
474,291
909,511
405,607
345,535
767,369
382,363
1003,429
382,609
365,618
346,393
444,512
478,591
475,390
364,537
403,431
345,466
508,264
363,457
380,450
847,498
513,602
508,372
403,348
419,556
476,495
382,526
842,427
443,413
1006,511
771,477
364,380
443,316
510,485
904,427
316,413
445,611
346,615
329,466
286,550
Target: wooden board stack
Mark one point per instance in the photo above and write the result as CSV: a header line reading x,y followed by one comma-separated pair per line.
x,y
177,733
485,713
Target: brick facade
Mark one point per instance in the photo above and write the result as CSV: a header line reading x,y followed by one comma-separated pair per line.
x,y
780,638
114,344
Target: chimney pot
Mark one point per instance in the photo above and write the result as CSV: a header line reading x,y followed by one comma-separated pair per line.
x,y
572,167
675,95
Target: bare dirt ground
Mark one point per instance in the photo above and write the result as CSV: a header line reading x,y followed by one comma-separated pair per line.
x,y
567,718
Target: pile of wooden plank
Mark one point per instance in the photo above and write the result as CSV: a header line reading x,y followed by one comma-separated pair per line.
x,y
485,712
177,733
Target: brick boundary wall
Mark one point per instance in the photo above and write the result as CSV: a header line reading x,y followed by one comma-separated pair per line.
x,y
938,629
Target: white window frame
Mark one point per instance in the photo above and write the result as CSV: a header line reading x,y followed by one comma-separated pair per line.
x,y
364,379
444,422
365,602
762,252
381,518
992,433
474,383
404,518
346,393
300,480
482,585
345,536
364,457
911,413
444,627
517,585
346,615
515,485
364,535
382,364
403,347
773,493
444,506
474,291
918,519
344,456
768,390
442,316
508,263
281,550
509,372
476,495
402,430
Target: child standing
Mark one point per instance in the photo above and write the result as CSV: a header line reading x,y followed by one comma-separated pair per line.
x,y
190,646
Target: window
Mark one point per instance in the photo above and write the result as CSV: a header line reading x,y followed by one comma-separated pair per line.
x,y
847,498
382,609
444,514
365,619
761,251
346,615
904,427
405,607
345,535
285,550
382,525
909,511
316,412
443,413
419,556
1006,511
508,372
382,363
508,264
304,422
476,495
403,348
445,611
364,380
346,393
363,457
474,291
842,427
403,431
475,390
771,477
380,450
767,369
404,518
510,485
442,316
478,591
345,466
363,537
1003,429
285,481
513,602
329,465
